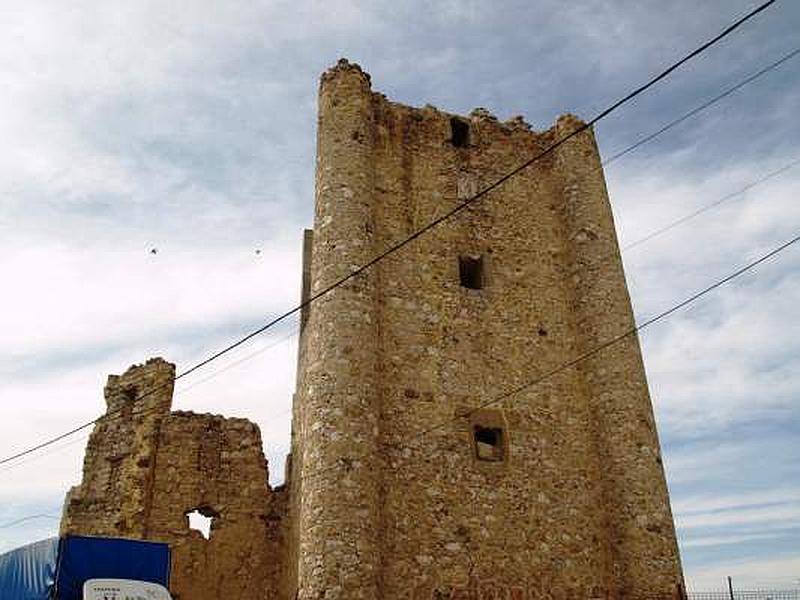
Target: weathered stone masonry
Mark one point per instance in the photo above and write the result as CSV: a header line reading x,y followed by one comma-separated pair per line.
x,y
146,467
405,482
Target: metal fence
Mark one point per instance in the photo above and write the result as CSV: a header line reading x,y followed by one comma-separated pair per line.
x,y
746,595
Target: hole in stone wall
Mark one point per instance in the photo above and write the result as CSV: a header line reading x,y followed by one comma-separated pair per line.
x,y
200,519
488,443
459,132
470,271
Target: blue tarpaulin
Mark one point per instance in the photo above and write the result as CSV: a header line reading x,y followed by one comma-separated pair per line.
x,y
27,573
81,558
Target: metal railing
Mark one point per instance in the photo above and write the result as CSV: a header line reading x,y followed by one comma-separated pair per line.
x,y
746,595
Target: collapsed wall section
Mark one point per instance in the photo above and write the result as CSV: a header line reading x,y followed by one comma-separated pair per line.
x,y
119,464
146,468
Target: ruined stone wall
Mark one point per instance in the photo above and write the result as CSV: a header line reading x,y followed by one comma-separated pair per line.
x,y
399,367
146,467
119,463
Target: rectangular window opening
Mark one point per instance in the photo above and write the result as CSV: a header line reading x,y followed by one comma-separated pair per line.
x,y
470,271
488,443
459,132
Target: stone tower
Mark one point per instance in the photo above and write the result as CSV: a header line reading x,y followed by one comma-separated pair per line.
x,y
446,444
407,481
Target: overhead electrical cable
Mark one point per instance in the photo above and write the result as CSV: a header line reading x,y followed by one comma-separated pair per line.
x,y
703,209
480,194
28,518
31,458
113,414
637,242
585,355
239,361
628,333
432,224
702,107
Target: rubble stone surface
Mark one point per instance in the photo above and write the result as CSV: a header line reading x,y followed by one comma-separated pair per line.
x,y
457,340
147,467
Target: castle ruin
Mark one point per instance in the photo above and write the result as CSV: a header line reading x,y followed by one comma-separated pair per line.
x,y
423,465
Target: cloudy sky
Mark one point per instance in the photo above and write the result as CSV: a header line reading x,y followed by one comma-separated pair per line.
x,y
188,127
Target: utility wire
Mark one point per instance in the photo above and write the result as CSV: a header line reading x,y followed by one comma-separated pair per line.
x,y
499,182
630,332
51,450
28,518
708,207
702,107
106,417
112,415
399,245
238,362
638,242
624,249
588,354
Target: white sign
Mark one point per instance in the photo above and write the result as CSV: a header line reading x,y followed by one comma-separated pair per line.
x,y
123,589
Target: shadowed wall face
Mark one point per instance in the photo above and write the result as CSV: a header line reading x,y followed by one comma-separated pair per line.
x,y
557,490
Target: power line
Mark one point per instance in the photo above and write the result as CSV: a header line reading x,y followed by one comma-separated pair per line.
x,y
431,225
708,207
51,450
596,350
620,154
106,416
109,416
499,182
236,363
702,107
28,518
625,248
636,328
640,241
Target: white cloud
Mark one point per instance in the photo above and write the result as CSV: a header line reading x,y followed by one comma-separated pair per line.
x,y
722,540
777,573
787,515
64,299
721,361
701,503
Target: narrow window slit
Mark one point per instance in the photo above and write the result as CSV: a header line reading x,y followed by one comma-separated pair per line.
x,y
488,443
459,132
470,271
